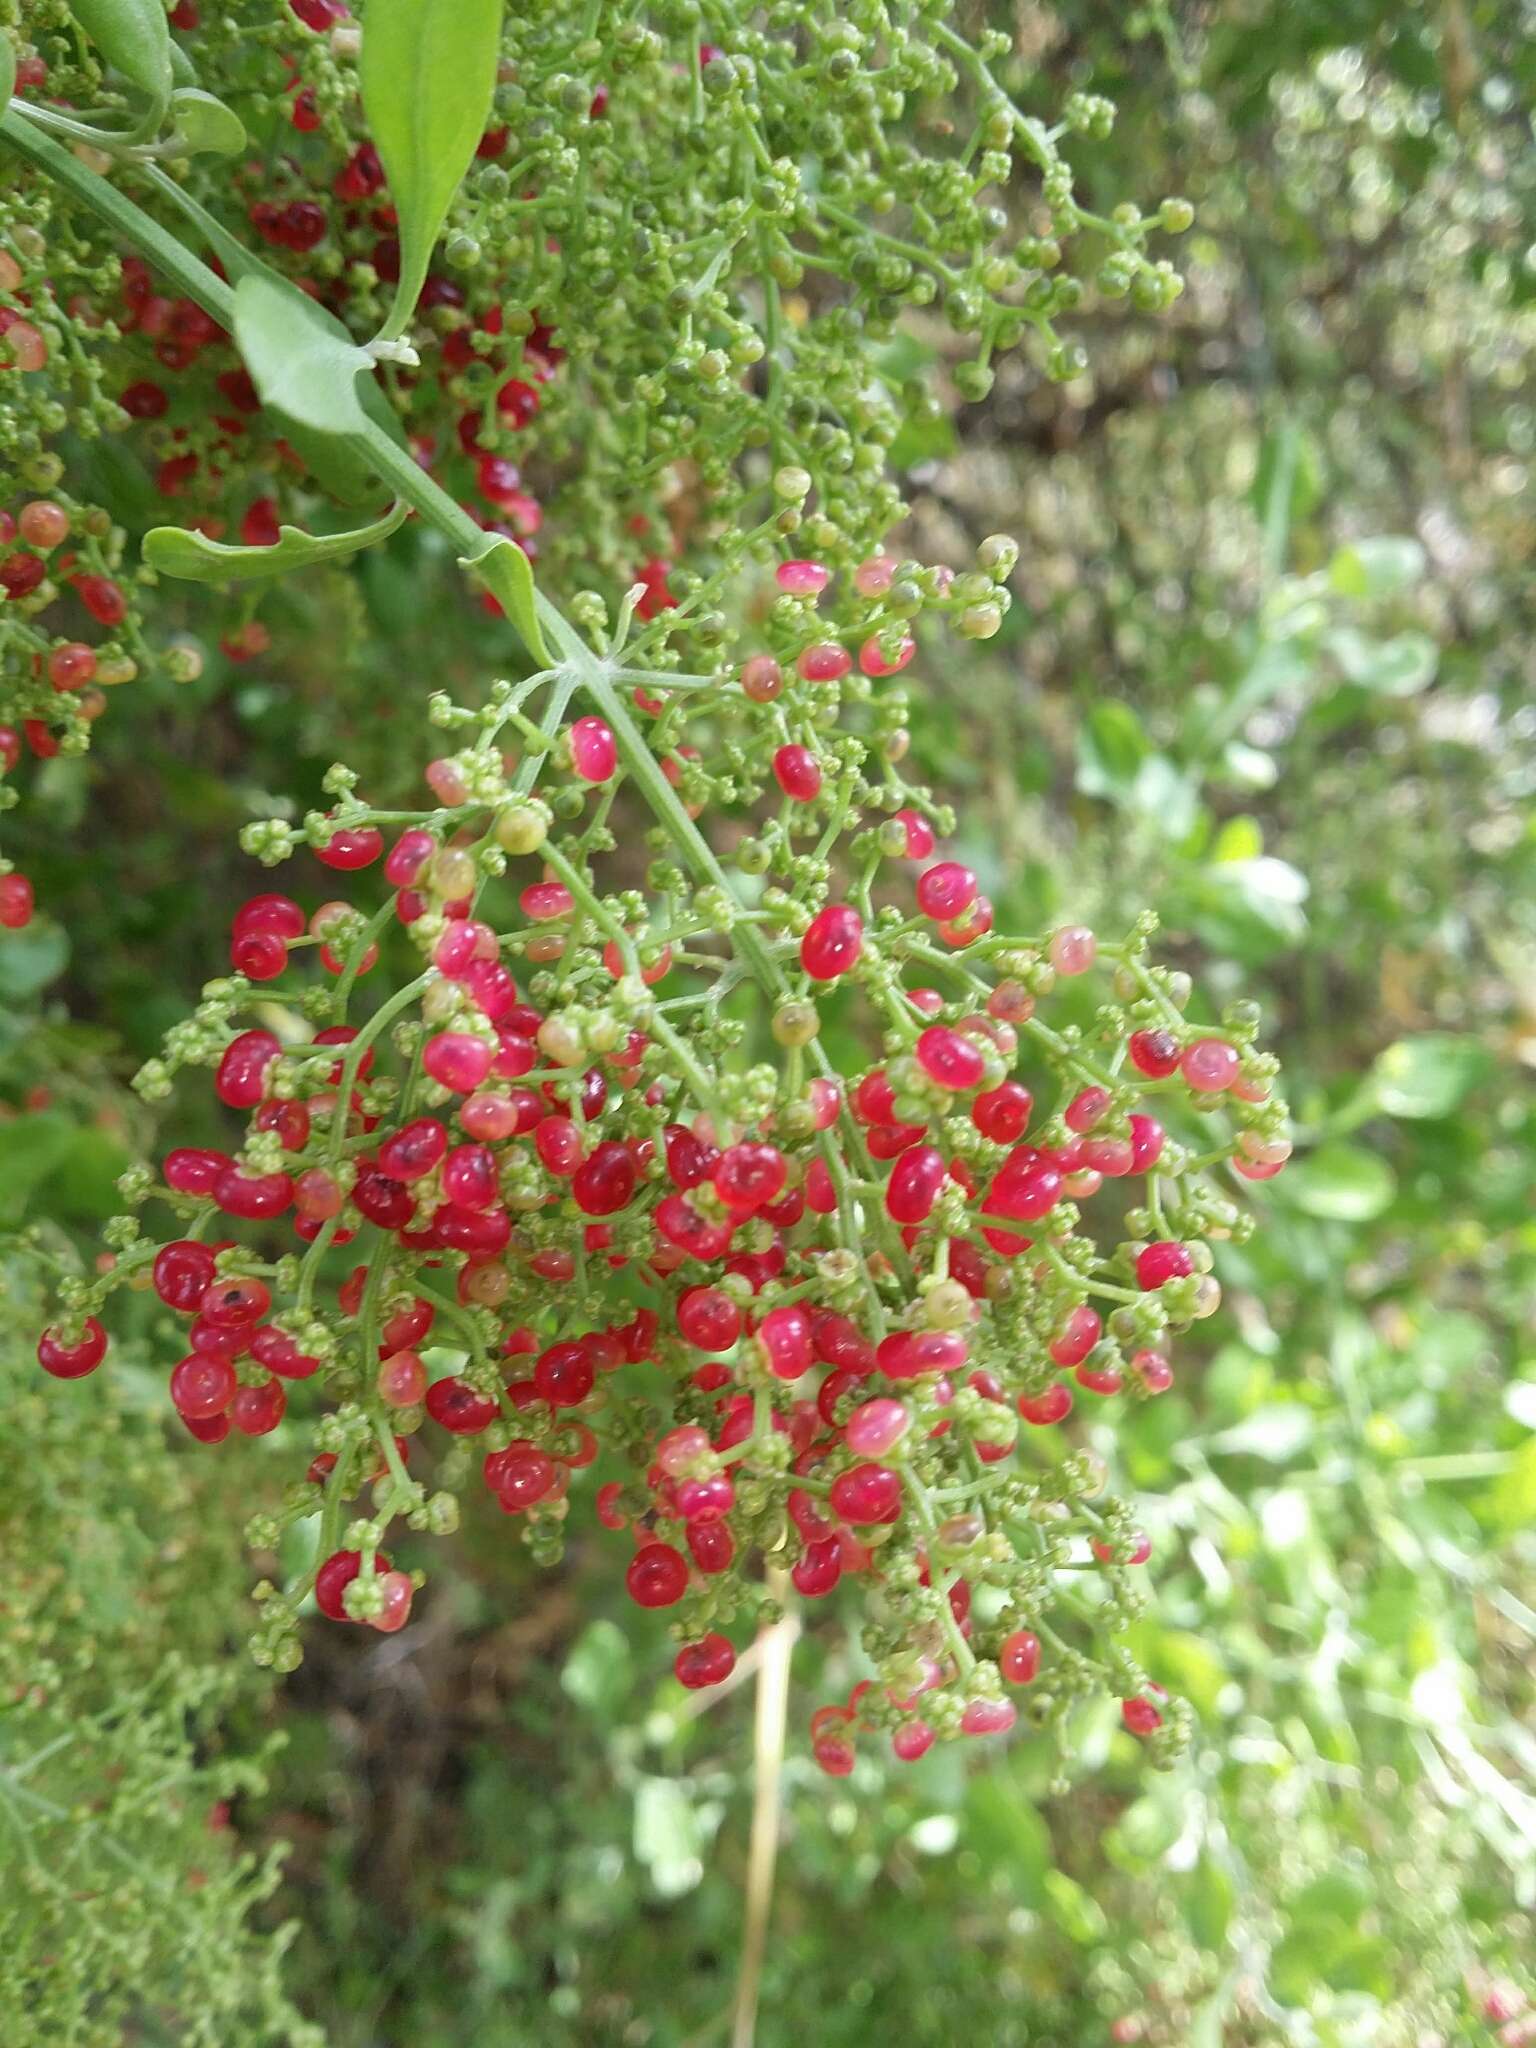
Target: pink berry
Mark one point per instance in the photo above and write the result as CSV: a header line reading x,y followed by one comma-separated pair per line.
x,y
761,678
1161,1262
951,1059
988,1717
1054,1405
874,1426
874,661
825,662
1140,1716
1073,949
351,847
457,1061
801,579
798,773
945,890
1078,1332
594,751
1209,1065
1019,1657
920,837
785,1335
832,943
911,1740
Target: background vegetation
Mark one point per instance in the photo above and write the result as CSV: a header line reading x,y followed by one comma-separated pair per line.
x,y
1269,671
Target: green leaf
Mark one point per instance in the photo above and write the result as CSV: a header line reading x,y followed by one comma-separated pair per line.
x,y
1076,1912
668,1837
428,78
1379,567
133,37
7,68
33,1146
300,360
174,551
599,1671
1110,750
507,573
1343,1183
203,126
1399,667
30,959
1428,1076
1208,1902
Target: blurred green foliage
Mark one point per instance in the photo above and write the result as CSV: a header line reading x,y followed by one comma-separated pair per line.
x,y
1270,673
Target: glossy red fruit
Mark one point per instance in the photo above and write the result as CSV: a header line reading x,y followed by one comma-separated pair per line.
x,y
454,1405
67,1361
705,1663
657,1576
240,1078
1162,1261
1019,1658
867,1493
334,1577
202,1386
183,1272
832,943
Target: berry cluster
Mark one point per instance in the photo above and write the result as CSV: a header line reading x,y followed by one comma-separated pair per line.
x,y
725,318
610,1197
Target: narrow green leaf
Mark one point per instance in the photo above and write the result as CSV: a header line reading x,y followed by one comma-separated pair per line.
x,y
133,37
428,76
300,360
174,551
506,572
7,68
203,126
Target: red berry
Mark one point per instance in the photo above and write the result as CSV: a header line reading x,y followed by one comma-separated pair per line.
x,y
605,1181
657,1576
950,1059
867,1493
72,1361
16,901
256,1411
240,1079
454,1405
202,1386
334,1577
914,1185
832,943
709,1319
351,847
1154,1053
1140,1716
1002,1114
944,891
1019,1658
798,773
1162,1262
183,1273
704,1663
